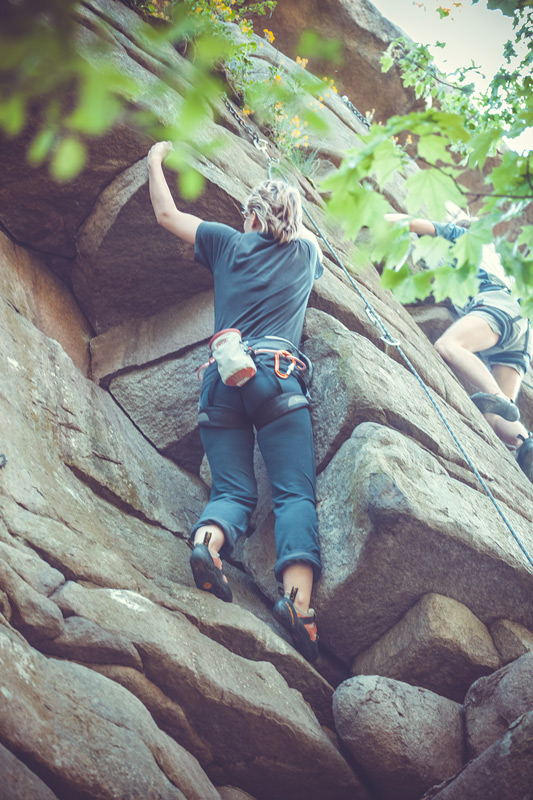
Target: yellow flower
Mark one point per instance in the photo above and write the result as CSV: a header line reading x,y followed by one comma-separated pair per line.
x,y
269,35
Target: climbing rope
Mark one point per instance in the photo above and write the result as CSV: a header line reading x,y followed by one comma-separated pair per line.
x,y
374,317
388,339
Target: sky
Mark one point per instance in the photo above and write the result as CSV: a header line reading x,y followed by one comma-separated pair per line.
x,y
471,33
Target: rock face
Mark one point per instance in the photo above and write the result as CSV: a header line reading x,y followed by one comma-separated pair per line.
x,y
503,772
359,72
109,655
511,639
493,703
439,644
404,738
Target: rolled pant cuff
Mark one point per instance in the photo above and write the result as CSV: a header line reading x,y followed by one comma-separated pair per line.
x,y
298,558
229,530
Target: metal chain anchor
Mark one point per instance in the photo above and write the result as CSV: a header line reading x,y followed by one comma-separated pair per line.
x,y
348,103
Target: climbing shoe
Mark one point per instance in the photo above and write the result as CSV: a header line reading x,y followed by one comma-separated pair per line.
x,y
207,571
496,404
302,627
524,457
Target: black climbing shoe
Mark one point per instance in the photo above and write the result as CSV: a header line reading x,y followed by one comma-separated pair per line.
x,y
495,404
207,572
524,457
302,627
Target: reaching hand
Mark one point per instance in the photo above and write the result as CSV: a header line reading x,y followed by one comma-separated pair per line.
x,y
159,151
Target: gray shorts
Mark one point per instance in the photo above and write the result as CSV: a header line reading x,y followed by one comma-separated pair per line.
x,y
502,313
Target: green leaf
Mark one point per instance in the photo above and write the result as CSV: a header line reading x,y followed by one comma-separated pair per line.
x,y
315,121
509,177
191,184
358,208
210,49
40,146
313,44
433,148
13,114
480,145
392,278
102,93
386,62
434,250
192,113
386,160
467,250
526,237
407,288
68,159
431,188
449,282
390,244
507,7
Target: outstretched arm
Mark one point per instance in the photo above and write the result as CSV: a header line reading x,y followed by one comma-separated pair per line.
x,y
420,226
166,213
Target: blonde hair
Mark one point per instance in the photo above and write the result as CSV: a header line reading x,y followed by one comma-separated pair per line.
x,y
278,208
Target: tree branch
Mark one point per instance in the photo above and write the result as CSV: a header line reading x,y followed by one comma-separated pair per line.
x,y
466,193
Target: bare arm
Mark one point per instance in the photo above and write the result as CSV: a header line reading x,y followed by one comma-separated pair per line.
x,y
422,227
417,225
167,214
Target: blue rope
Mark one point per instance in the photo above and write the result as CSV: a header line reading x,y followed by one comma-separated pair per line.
x,y
387,338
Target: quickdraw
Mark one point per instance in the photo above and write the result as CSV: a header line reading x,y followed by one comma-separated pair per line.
x,y
295,363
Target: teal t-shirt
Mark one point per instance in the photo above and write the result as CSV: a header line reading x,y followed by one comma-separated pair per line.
x,y
261,286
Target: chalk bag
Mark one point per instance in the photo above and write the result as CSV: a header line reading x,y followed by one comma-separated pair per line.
x,y
235,364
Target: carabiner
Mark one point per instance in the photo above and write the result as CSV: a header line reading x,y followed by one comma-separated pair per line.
x,y
284,354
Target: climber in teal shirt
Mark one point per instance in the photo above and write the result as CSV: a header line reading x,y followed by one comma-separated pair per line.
x,y
262,281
